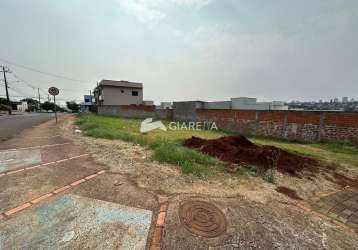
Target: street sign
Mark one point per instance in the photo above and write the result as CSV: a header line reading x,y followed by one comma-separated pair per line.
x,y
53,91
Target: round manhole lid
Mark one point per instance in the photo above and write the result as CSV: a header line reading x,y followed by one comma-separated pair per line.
x,y
202,218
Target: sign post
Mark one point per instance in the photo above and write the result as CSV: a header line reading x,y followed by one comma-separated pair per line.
x,y
54,92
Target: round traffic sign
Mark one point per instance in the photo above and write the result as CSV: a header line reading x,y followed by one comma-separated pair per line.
x,y
53,91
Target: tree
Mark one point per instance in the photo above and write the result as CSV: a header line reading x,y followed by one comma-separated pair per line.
x,y
3,101
73,106
3,104
48,106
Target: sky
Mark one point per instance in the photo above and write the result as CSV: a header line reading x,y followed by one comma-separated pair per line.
x,y
183,49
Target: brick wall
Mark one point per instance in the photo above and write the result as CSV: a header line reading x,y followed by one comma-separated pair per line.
x,y
135,111
292,125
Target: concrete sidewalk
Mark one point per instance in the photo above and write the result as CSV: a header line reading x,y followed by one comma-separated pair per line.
x,y
39,171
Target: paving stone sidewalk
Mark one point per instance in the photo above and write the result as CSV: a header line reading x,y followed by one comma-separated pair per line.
x,y
342,206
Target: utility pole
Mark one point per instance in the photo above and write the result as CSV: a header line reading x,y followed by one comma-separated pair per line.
x,y
54,100
6,88
48,98
38,91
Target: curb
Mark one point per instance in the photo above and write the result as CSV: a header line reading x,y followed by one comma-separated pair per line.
x,y
156,243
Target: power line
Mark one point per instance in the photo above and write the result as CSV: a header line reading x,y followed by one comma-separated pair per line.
x,y
20,96
41,72
37,88
43,91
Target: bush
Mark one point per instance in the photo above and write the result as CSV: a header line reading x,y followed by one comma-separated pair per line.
x,y
4,107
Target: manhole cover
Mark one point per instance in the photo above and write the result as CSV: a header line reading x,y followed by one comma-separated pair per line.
x,y
202,218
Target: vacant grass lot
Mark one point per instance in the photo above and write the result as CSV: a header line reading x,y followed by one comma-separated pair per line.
x,y
167,145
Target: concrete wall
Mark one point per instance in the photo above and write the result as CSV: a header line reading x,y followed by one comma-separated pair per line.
x,y
113,95
217,105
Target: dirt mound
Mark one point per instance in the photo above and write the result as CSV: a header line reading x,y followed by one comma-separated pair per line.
x,y
240,151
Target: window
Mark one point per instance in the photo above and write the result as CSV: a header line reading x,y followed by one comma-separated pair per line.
x,y
134,93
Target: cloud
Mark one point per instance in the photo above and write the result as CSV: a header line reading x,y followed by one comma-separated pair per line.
x,y
195,3
147,12
152,12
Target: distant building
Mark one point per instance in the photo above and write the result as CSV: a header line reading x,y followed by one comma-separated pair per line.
x,y
148,103
345,99
165,105
240,103
335,100
248,103
88,101
22,107
109,92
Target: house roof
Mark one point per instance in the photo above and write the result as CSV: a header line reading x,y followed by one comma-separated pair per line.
x,y
121,84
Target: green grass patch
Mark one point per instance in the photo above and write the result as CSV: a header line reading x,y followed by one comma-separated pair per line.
x,y
166,145
330,153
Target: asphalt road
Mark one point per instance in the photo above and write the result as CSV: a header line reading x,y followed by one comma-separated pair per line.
x,y
10,126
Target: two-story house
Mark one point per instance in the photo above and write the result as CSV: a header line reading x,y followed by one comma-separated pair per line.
x,y
109,92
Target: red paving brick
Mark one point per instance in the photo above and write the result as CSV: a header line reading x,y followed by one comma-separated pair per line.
x,y
15,171
17,209
61,189
77,182
157,237
43,197
29,168
163,208
91,176
161,219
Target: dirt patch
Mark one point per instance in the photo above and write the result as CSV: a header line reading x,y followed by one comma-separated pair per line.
x,y
289,192
343,181
239,150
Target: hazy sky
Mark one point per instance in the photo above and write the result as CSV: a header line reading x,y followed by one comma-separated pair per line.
x,y
186,49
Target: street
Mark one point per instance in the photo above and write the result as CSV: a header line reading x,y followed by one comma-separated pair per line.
x,y
14,124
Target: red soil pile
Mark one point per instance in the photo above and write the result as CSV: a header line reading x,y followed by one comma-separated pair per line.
x,y
239,150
